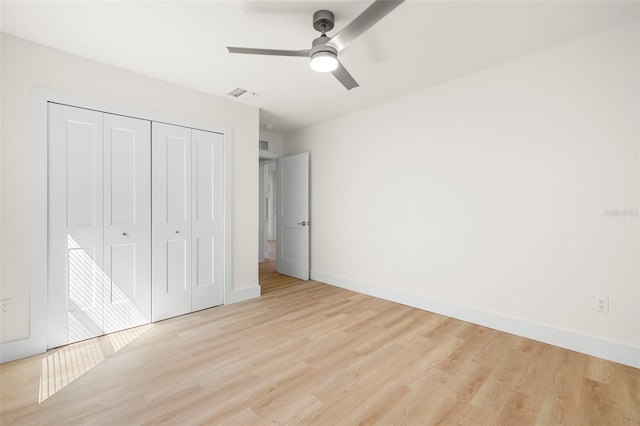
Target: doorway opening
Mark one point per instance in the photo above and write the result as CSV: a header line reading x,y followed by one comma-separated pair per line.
x,y
284,214
268,226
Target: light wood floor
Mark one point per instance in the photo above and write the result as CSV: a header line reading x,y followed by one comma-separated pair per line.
x,y
311,353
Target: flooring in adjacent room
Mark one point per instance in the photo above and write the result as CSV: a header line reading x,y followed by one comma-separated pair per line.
x,y
307,352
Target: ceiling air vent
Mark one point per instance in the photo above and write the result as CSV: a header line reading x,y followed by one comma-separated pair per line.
x,y
242,94
264,145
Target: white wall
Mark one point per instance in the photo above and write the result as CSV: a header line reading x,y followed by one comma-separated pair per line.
x,y
486,198
276,141
26,65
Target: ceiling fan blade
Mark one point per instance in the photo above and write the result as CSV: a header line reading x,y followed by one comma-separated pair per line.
x,y
274,52
378,10
344,77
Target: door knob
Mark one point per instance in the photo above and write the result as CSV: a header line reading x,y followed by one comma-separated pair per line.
x,y
124,234
303,223
177,232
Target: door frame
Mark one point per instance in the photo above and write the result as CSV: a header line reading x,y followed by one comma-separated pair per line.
x,y
38,256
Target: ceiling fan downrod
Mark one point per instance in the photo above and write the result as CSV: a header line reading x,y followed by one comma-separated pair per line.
x,y
323,21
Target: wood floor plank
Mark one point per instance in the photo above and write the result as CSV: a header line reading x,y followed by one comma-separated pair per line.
x,y
309,353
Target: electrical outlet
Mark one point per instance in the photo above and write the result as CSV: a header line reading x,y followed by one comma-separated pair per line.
x,y
5,306
601,304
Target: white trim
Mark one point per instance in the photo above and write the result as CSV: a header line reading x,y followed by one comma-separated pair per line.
x,y
245,293
228,219
120,109
591,345
268,155
36,342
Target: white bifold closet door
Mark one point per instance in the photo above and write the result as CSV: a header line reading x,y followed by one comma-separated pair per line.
x,y
187,213
127,218
99,224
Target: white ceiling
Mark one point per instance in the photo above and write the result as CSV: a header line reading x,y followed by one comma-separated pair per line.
x,y
420,44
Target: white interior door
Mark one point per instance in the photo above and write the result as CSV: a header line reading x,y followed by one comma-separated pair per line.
x,y
171,220
127,218
76,268
293,216
207,225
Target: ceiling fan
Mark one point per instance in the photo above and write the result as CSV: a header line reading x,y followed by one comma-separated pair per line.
x,y
324,49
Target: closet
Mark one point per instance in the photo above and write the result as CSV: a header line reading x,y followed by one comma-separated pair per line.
x,y
186,215
135,222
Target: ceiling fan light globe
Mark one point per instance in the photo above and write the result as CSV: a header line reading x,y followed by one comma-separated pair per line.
x,y
324,61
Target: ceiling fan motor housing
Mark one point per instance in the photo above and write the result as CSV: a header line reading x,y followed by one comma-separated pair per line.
x,y
320,45
323,21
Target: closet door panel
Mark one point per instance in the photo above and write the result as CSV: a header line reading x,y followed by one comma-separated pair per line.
x,y
121,281
76,268
171,220
207,214
176,266
204,266
177,173
127,184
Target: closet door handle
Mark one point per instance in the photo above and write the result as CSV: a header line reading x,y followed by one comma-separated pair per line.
x,y
177,231
124,234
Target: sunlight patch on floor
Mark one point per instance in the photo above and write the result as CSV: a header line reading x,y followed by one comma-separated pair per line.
x,y
122,338
66,364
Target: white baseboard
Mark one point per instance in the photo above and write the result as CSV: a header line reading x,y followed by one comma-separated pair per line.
x,y
22,348
245,293
596,346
